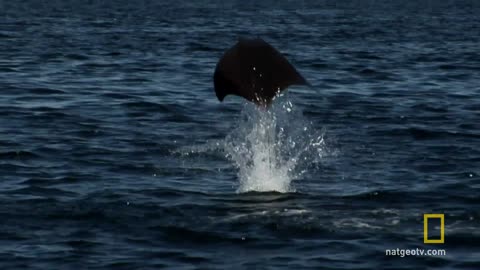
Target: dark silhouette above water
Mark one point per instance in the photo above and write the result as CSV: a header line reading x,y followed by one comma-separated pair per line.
x,y
253,69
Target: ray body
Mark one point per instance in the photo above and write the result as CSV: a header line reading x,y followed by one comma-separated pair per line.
x,y
253,69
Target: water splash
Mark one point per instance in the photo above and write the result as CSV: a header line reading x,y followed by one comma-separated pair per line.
x,y
271,148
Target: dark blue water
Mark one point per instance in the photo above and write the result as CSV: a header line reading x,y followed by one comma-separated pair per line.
x,y
116,154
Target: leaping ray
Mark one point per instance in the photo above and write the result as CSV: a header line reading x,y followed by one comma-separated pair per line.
x,y
253,69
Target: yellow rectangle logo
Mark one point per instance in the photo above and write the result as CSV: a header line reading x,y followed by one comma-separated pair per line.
x,y
426,217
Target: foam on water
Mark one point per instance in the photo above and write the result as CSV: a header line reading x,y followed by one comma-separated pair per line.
x,y
271,148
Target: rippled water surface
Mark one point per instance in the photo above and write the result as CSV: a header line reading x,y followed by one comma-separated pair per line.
x,y
116,154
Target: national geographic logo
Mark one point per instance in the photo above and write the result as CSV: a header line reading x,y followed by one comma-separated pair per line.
x,y
432,217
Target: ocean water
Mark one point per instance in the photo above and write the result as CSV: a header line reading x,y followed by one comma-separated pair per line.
x,y
116,154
